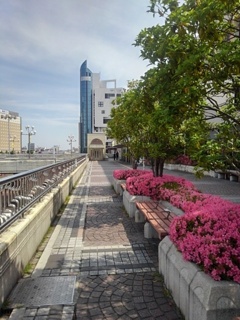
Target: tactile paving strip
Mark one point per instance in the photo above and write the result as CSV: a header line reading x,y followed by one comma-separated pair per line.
x,y
43,291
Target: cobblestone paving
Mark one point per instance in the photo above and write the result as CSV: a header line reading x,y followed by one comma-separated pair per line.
x,y
96,243
125,296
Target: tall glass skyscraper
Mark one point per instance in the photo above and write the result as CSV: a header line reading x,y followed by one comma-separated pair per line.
x,y
85,124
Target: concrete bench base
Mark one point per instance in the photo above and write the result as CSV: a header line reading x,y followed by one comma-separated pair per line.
x,y
129,202
149,231
197,295
139,217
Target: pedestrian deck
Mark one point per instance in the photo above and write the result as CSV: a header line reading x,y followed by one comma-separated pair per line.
x,y
97,263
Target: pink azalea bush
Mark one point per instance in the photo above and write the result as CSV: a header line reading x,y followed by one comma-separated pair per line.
x,y
159,188
124,174
208,234
184,159
211,239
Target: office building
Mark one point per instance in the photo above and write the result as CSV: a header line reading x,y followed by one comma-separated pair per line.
x,y
85,124
96,97
10,132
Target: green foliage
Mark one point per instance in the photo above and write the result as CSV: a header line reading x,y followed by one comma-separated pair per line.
x,y
195,62
171,185
191,90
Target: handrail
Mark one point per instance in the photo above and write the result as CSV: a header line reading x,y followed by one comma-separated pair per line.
x,y
20,191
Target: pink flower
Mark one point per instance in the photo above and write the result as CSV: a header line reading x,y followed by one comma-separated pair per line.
x,y
208,234
124,174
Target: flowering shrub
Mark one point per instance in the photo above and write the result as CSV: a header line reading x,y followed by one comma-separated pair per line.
x,y
208,234
185,160
158,188
211,239
124,174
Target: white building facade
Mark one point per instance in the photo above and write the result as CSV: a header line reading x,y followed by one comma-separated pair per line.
x,y
103,94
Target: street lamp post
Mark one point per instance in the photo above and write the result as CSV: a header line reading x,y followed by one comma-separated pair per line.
x,y
71,140
30,132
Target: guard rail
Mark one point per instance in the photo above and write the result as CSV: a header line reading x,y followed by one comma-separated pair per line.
x,y
19,192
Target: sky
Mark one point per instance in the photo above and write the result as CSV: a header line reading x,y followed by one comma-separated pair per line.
x,y
42,46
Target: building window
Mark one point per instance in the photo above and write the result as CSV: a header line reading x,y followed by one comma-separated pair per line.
x,y
109,95
100,104
105,120
103,112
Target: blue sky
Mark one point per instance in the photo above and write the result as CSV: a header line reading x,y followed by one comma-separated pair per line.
x,y
44,42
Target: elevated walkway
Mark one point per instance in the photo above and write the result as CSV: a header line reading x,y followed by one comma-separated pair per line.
x,y
97,264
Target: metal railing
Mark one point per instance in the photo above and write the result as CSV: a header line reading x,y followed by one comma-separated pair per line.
x,y
19,192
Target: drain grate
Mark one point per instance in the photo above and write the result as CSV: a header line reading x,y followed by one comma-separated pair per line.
x,y
43,291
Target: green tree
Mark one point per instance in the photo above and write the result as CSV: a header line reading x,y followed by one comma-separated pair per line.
x,y
145,127
127,124
195,55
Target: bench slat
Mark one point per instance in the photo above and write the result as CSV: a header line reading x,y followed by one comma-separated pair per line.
x,y
157,216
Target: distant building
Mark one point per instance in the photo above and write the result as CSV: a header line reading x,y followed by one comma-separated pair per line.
x,y
96,98
96,146
31,147
10,132
85,124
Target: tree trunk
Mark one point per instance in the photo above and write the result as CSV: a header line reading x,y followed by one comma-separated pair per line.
x,y
161,165
134,163
158,165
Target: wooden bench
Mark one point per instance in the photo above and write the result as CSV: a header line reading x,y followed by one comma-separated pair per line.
x,y
157,218
123,188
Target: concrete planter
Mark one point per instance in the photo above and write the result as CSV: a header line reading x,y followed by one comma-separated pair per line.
x,y
117,185
221,175
129,202
197,295
180,167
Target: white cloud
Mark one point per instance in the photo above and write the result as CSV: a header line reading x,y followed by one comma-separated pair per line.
x,y
43,43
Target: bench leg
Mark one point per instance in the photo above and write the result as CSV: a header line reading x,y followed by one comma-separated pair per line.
x,y
139,217
149,231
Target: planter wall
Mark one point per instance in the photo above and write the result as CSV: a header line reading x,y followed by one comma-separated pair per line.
x,y
185,168
117,185
129,202
197,295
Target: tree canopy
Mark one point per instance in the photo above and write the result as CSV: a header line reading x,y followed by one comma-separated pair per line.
x,y
190,98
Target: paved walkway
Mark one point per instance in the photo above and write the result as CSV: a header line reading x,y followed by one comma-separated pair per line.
x,y
97,264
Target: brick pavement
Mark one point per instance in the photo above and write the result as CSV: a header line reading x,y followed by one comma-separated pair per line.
x,y
97,264
103,253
